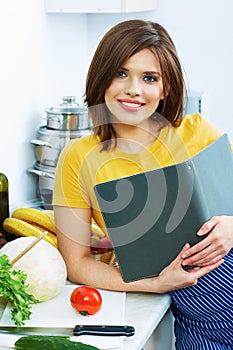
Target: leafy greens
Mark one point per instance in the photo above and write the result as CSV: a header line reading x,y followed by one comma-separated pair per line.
x,y
13,288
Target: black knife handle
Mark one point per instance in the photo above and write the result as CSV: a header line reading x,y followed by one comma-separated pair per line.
x,y
127,331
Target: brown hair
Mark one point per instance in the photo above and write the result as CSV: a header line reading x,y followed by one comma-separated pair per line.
x,y
116,47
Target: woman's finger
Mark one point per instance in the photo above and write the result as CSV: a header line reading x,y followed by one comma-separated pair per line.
x,y
205,269
208,226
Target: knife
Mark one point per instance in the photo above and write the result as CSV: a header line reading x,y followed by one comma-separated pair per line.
x,y
99,330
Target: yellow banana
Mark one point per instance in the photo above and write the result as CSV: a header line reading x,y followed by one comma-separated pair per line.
x,y
42,218
50,213
45,220
22,228
95,229
51,236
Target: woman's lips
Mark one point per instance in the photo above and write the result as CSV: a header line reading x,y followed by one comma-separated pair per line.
x,y
131,105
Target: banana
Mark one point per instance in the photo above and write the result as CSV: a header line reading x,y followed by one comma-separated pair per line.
x,y
42,218
95,229
22,228
50,213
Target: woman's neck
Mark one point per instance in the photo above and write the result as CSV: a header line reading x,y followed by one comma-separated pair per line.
x,y
133,139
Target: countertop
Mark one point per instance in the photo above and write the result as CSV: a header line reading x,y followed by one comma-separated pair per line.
x,y
144,312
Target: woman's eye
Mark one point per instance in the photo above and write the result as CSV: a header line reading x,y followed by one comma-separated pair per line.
x,y
150,78
121,74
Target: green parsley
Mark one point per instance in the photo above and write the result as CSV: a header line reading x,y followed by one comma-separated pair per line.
x,y
13,288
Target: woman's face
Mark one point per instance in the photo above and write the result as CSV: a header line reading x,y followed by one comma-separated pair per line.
x,y
136,90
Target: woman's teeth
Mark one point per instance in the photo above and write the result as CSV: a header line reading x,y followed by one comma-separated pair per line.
x,y
129,104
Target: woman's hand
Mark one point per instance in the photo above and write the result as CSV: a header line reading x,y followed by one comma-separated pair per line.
x,y
175,277
215,246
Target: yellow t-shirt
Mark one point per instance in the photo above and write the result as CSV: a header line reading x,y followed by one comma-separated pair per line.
x,y
82,164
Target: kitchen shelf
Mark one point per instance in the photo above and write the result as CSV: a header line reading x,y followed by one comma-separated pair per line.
x,y
99,6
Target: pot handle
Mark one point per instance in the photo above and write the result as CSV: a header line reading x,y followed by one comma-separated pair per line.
x,y
41,173
41,143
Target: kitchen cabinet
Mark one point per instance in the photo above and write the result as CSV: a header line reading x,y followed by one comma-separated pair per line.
x,y
99,6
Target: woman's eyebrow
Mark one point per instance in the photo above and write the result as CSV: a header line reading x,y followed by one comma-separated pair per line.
x,y
123,68
152,73
147,72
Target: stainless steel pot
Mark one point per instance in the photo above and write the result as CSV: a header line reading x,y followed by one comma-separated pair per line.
x,y
45,183
68,115
45,175
49,143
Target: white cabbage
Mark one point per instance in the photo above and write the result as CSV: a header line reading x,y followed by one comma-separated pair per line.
x,y
43,264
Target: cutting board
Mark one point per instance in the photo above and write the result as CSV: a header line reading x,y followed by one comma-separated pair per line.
x,y
58,312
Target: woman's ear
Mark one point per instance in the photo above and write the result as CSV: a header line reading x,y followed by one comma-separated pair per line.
x,y
166,90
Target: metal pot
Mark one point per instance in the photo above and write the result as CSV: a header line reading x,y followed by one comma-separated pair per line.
x,y
46,175
68,115
45,183
49,143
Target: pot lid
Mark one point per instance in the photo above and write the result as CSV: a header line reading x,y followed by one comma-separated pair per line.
x,y
68,106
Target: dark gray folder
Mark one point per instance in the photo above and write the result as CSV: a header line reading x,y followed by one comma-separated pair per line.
x,y
151,215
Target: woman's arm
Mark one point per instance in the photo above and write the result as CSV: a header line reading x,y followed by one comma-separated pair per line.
x,y
73,232
215,246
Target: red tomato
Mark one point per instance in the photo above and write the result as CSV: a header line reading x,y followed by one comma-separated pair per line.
x,y
86,300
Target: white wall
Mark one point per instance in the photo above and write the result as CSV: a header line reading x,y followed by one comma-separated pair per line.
x,y
203,33
41,60
44,57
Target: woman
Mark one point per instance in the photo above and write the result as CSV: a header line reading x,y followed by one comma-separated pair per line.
x,y
135,94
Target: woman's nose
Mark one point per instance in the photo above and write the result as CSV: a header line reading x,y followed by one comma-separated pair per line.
x,y
133,89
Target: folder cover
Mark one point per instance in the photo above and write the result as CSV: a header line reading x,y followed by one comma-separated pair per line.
x,y
151,215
